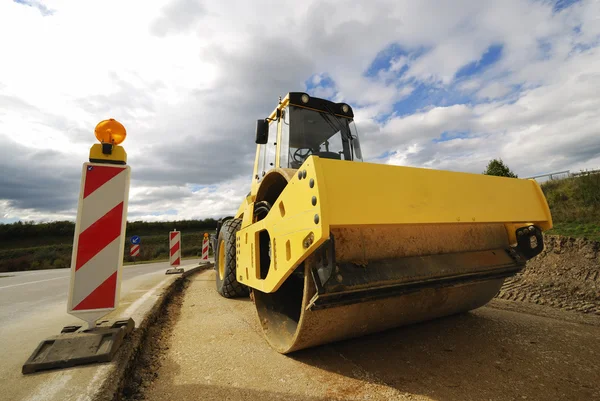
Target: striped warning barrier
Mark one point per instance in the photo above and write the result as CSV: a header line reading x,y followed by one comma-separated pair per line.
x,y
175,247
97,259
205,247
134,251
99,241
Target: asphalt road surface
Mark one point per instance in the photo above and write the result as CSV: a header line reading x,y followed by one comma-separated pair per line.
x,y
33,307
29,295
215,350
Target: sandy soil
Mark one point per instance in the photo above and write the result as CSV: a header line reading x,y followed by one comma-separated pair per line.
x,y
566,275
211,348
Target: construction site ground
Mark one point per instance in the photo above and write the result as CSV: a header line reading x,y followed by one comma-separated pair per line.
x,y
210,348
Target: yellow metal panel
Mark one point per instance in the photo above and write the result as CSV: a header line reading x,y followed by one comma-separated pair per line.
x,y
245,211
118,154
289,223
544,203
350,194
241,209
367,194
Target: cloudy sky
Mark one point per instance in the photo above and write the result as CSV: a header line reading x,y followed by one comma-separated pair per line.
x,y
436,84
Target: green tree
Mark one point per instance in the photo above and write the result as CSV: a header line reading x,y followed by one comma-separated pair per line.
x,y
498,168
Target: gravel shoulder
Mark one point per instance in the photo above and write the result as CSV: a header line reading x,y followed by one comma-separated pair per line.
x,y
214,350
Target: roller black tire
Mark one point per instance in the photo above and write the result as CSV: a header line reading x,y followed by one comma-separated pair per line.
x,y
229,286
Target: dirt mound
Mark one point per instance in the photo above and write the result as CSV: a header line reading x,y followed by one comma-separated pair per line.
x,y
565,275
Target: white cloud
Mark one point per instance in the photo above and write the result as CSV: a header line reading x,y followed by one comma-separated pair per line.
x,y
492,91
188,78
182,202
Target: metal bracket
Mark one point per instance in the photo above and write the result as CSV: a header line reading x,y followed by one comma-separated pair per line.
x,y
75,346
107,148
324,265
527,247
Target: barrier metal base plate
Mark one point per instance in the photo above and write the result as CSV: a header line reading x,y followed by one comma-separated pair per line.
x,y
76,346
175,270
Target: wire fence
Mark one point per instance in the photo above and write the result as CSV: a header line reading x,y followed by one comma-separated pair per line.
x,y
561,175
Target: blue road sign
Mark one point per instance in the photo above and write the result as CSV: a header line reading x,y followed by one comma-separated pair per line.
x,y
136,239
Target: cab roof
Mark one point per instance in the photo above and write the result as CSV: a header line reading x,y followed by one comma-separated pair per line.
x,y
315,103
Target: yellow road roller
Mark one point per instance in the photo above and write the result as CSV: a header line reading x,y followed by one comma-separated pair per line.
x,y
331,247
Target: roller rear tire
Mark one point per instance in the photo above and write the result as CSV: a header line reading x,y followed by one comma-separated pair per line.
x,y
227,284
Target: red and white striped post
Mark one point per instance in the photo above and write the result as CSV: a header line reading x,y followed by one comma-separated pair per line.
x,y
205,247
99,240
135,250
175,247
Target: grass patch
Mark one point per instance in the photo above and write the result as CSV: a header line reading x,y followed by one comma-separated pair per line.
x,y
578,230
575,206
574,199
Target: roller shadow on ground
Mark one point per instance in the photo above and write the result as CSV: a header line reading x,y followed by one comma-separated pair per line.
x,y
487,354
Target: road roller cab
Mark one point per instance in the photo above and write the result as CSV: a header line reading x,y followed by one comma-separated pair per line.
x,y
333,247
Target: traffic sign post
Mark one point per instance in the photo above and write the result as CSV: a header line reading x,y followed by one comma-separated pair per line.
x,y
134,250
98,245
205,247
97,258
99,241
174,252
175,248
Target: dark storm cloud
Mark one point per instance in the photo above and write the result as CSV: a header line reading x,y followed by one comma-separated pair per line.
x,y
197,162
211,139
38,180
179,16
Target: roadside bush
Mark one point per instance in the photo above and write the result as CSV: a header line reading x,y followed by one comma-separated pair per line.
x,y
192,251
21,263
60,263
160,250
20,242
29,234
588,190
